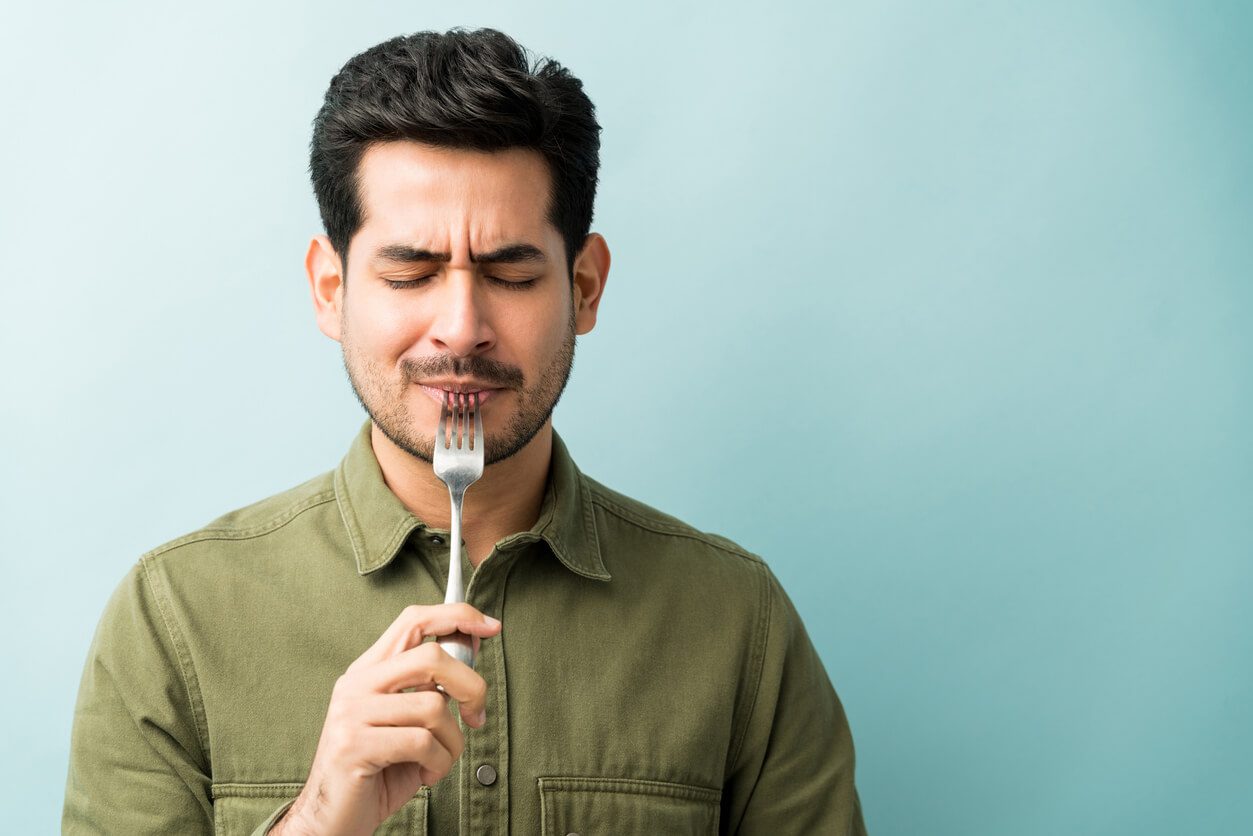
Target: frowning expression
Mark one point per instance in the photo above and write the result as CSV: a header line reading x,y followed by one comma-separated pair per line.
x,y
456,281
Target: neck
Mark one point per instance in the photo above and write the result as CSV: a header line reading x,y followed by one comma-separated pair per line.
x,y
504,501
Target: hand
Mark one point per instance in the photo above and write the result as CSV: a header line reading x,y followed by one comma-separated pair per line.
x,y
379,745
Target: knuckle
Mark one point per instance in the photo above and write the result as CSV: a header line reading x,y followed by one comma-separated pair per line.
x,y
336,711
423,738
430,654
341,686
347,685
340,745
431,703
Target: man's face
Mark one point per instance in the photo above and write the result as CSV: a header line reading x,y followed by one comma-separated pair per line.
x,y
489,301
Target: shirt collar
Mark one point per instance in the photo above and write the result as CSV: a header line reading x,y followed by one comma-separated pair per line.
x,y
378,524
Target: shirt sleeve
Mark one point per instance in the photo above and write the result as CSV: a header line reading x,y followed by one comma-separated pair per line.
x,y
138,761
794,770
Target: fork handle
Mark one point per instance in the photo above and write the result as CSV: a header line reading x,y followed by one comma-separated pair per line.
x,y
458,645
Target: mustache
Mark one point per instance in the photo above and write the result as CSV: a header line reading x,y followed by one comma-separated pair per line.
x,y
476,366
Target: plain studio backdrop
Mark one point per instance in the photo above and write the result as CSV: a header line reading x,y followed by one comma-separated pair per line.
x,y
990,263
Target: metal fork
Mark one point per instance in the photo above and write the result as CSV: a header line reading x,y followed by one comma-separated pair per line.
x,y
458,464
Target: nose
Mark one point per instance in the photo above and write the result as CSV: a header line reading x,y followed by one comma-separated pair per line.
x,y
460,324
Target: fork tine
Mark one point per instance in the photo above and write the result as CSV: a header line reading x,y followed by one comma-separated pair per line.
x,y
465,421
443,424
454,419
478,423
469,416
461,420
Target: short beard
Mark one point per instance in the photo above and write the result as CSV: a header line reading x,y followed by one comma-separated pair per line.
x,y
533,412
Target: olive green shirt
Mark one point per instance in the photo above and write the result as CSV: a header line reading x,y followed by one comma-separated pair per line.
x,y
648,677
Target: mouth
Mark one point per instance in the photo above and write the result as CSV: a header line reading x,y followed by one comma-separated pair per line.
x,y
440,396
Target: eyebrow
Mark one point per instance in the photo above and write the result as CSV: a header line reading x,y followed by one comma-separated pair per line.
x,y
508,254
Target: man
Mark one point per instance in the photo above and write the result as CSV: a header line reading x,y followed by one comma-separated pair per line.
x,y
276,670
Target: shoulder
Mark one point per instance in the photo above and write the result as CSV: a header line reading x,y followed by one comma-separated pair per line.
x,y
626,517
288,512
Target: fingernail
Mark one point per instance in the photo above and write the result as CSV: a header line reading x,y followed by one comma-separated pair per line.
x,y
480,718
491,621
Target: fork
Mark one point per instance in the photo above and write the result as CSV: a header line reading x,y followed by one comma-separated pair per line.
x,y
458,463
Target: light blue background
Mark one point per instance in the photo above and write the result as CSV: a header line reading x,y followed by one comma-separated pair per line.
x,y
990,261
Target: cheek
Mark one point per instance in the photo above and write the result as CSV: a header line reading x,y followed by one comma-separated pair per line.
x,y
383,329
537,330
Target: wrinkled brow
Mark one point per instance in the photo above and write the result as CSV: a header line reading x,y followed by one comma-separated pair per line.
x,y
508,254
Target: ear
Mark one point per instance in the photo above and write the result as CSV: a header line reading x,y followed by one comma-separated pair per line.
x,y
326,281
591,271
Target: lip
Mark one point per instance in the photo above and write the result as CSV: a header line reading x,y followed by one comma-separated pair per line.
x,y
441,395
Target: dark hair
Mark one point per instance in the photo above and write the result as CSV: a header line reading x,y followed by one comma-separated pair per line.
x,y
460,89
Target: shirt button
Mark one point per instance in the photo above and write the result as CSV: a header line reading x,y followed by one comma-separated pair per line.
x,y
437,540
486,775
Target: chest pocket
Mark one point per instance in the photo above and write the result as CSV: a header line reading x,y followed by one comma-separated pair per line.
x,y
239,809
604,806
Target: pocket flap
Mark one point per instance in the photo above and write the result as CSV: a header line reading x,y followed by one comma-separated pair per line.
x,y
596,806
240,808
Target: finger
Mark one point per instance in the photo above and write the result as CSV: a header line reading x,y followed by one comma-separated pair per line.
x,y
426,709
416,622
382,746
424,667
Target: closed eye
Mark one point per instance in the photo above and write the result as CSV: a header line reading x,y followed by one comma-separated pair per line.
x,y
514,285
408,283
418,282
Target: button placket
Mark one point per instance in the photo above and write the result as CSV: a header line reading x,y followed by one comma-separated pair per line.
x,y
484,808
486,774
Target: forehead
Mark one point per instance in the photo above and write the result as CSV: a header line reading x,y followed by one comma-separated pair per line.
x,y
416,192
